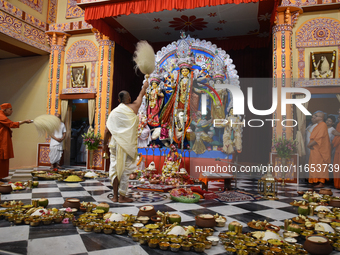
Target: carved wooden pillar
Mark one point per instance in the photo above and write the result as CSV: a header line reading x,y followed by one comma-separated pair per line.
x,y
57,41
105,81
283,66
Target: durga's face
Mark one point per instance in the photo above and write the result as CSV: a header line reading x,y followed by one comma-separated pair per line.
x,y
154,85
185,72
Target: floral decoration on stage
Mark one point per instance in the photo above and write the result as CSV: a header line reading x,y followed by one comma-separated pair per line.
x,y
91,140
285,147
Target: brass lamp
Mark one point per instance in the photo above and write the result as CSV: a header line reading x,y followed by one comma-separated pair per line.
x,y
268,186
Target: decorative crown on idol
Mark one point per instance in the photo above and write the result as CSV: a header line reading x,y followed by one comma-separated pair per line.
x,y
154,77
185,62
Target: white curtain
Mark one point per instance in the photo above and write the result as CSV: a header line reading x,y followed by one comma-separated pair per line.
x,y
91,107
338,97
64,105
300,135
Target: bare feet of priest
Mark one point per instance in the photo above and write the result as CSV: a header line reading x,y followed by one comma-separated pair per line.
x,y
123,199
113,197
320,185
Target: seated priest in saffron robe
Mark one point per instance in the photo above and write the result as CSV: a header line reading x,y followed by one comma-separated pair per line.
x,y
320,152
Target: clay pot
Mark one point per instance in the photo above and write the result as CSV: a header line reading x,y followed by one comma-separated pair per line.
x,y
6,188
190,135
147,210
326,192
72,203
334,202
205,222
317,245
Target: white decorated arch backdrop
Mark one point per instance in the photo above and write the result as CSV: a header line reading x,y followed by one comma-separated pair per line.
x,y
204,55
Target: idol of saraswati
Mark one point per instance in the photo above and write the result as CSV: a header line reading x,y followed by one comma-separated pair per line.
x,y
155,101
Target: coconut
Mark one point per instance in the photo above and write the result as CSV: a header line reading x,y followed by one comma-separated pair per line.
x,y
43,202
295,228
303,210
312,199
103,206
232,225
174,218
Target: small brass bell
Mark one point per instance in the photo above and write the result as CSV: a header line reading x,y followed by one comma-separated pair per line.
x,y
105,156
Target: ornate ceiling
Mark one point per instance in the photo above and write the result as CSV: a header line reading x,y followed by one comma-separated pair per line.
x,y
208,22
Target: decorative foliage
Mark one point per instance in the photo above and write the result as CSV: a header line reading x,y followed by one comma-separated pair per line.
x,y
10,23
318,32
34,4
284,147
91,140
188,23
82,51
73,11
52,11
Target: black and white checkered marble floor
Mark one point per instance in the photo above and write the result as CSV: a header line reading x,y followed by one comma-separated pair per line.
x,y
66,239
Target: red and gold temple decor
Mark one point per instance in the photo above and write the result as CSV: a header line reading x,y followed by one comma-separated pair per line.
x,y
104,80
316,32
58,41
282,63
80,52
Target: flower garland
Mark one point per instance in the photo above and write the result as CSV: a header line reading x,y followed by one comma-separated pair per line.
x,y
141,127
185,109
140,160
330,69
174,113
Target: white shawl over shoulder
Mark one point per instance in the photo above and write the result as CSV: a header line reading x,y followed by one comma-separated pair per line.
x,y
123,124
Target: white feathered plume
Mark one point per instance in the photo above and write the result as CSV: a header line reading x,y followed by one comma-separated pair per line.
x,y
144,57
46,124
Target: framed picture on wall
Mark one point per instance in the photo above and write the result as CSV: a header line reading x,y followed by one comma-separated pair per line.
x,y
323,65
78,76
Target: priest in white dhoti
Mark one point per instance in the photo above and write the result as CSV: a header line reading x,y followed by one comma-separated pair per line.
x,y
120,139
56,145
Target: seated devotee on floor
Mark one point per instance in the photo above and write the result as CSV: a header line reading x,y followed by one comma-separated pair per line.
x,y
320,151
6,146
